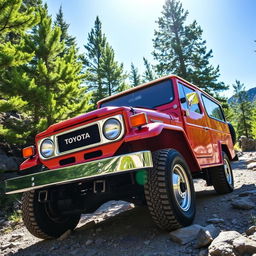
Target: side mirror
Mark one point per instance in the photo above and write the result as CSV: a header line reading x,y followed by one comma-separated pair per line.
x,y
192,98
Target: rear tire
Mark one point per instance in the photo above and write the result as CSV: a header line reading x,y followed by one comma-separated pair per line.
x,y
222,177
41,222
232,133
169,191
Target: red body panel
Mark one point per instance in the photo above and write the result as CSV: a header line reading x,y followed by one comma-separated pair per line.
x,y
197,136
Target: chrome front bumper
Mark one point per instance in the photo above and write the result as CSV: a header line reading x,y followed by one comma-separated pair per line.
x,y
117,164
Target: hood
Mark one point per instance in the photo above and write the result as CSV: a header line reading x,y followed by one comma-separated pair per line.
x,y
80,119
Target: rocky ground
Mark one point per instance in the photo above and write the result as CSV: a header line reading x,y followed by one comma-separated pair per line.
x,y
227,224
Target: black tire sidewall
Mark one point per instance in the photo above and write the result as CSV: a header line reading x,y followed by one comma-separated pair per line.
x,y
39,215
185,217
232,133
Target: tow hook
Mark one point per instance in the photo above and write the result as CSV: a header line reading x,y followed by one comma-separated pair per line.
x,y
99,186
43,196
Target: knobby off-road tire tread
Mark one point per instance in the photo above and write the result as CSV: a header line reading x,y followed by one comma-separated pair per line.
x,y
157,195
28,216
219,180
38,221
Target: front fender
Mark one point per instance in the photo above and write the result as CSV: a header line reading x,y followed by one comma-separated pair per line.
x,y
30,162
151,130
156,136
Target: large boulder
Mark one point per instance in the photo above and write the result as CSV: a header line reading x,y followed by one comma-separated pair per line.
x,y
186,234
206,235
244,203
9,163
247,144
232,243
203,236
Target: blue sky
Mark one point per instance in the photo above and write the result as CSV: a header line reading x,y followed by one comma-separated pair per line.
x,y
229,28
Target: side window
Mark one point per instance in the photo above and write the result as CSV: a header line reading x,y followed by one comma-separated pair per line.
x,y
183,90
213,109
182,97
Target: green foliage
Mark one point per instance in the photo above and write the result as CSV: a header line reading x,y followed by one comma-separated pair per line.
x,y
47,89
243,111
105,76
254,123
253,219
12,19
134,76
15,216
180,49
94,52
149,74
7,201
69,41
111,72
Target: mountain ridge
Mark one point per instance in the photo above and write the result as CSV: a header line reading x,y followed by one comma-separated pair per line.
x,y
251,95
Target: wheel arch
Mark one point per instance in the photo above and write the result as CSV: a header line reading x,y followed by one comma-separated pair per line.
x,y
167,138
225,149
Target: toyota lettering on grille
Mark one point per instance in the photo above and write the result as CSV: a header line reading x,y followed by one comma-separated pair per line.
x,y
82,136
79,138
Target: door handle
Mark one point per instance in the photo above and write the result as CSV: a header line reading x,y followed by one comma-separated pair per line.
x,y
206,128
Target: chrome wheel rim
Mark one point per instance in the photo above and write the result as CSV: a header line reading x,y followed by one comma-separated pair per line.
x,y
228,172
181,187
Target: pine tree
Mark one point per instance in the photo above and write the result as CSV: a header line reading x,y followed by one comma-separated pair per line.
x,y
95,48
49,89
243,110
112,72
180,49
70,41
254,122
148,73
14,21
134,76
105,76
32,3
15,18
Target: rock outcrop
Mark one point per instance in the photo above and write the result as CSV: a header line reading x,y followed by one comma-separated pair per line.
x,y
247,144
232,243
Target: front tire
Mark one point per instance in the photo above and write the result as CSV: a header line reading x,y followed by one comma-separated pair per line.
x,y
41,222
169,191
222,177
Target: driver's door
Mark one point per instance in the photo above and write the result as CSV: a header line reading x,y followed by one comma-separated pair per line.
x,y
195,124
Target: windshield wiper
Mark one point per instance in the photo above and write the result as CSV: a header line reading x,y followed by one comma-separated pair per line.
x,y
143,107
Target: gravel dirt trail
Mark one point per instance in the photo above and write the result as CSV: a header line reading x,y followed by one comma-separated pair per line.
x,y
132,232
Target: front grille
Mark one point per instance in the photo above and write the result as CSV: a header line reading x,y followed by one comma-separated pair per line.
x,y
66,161
92,154
78,138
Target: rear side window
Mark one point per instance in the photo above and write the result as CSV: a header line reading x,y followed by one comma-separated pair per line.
x,y
213,109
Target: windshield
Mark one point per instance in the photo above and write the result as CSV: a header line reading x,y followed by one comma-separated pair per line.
x,y
149,97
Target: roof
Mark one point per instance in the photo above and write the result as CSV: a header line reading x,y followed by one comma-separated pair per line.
x,y
150,83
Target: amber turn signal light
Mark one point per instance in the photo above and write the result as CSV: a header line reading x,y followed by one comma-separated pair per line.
x,y
139,120
28,151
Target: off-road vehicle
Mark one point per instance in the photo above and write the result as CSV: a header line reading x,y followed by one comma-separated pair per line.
x,y
144,145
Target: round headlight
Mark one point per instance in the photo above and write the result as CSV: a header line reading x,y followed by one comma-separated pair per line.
x,y
112,129
47,148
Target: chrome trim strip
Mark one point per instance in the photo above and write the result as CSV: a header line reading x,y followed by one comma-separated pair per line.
x,y
156,121
103,140
74,173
